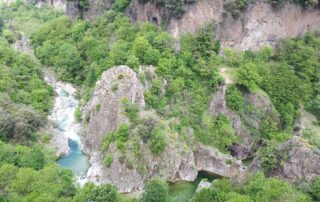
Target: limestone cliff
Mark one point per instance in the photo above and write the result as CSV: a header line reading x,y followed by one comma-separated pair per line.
x,y
72,7
259,25
132,167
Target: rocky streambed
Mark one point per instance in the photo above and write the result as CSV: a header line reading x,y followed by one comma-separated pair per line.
x,y
65,128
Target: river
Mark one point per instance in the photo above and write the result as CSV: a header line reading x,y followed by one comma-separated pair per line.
x,y
63,119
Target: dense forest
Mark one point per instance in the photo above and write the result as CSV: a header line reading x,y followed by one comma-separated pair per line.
x,y
80,51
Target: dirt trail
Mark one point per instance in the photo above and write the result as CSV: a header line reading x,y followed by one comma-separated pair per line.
x,y
226,74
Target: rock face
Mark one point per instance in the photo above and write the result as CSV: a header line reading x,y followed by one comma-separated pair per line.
x,y
300,161
57,4
72,8
203,185
258,26
262,25
246,122
104,112
23,45
303,161
128,172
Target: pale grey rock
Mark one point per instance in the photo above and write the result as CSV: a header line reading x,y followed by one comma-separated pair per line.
x,y
23,44
302,161
210,160
204,184
104,112
57,4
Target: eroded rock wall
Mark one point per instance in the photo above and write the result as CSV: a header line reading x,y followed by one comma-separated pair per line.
x,y
259,25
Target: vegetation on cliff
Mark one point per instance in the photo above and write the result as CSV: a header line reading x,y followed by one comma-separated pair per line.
x,y
80,51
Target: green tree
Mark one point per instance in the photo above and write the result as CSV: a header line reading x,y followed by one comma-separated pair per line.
x,y
206,195
248,77
315,189
155,190
104,193
68,61
152,56
140,47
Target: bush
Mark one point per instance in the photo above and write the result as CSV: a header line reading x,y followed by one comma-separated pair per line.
x,y
268,158
315,189
108,159
158,142
78,114
130,109
155,190
248,77
205,195
216,132
104,193
145,130
234,98
152,57
8,35
120,5
235,7
122,133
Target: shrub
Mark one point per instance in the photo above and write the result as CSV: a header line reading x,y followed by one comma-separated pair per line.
x,y
216,132
104,193
98,106
122,133
236,6
78,114
315,189
152,56
114,87
108,159
130,109
234,98
156,190
120,5
8,35
248,77
205,195
268,158
145,130
158,142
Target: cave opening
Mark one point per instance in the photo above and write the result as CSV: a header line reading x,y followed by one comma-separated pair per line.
x,y
154,20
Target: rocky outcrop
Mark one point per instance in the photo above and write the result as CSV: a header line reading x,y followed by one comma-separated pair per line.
x,y
204,184
72,7
212,161
130,169
218,106
23,44
104,112
146,12
298,161
246,122
302,161
57,4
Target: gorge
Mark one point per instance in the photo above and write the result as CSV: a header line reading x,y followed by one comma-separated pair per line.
x,y
167,101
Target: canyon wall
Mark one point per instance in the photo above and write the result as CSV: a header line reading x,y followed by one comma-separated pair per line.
x,y
259,25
